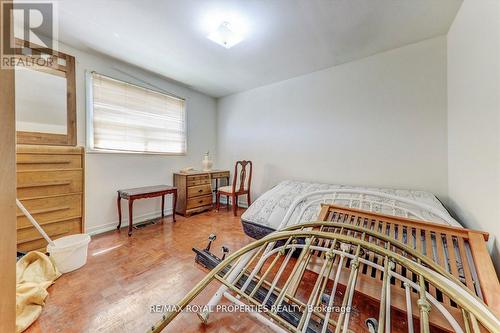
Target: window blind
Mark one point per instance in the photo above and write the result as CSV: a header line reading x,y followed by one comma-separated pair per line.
x,y
129,118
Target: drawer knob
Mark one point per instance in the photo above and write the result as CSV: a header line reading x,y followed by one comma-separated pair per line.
x,y
200,201
199,191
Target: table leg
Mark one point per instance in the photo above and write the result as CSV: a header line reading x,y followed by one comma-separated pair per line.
x,y
119,204
174,204
130,213
227,184
216,190
217,201
163,205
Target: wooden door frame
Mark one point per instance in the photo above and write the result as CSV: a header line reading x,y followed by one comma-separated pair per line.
x,y
7,199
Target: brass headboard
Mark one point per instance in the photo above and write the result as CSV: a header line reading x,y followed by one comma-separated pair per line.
x,y
393,262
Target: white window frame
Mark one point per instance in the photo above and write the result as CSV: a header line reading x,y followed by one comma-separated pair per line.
x,y
89,101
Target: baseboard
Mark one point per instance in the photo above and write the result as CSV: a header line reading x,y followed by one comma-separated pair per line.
x,y
137,220
144,217
242,204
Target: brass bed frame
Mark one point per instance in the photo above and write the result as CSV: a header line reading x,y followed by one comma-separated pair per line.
x,y
436,277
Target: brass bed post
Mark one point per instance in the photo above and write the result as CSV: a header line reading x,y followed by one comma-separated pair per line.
x,y
349,287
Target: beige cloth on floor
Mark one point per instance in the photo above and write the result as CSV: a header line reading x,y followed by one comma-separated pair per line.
x,y
35,272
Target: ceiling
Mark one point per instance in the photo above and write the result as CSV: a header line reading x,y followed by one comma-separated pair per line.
x,y
284,39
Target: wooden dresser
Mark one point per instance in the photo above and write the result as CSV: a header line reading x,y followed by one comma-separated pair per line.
x,y
194,190
50,184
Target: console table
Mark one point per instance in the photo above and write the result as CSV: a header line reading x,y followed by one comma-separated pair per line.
x,y
142,193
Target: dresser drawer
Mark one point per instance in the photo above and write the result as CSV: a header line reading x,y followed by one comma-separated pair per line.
x,y
45,162
223,174
50,210
198,180
195,191
42,183
30,239
55,229
199,201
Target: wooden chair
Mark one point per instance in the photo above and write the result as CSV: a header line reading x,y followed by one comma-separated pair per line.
x,y
241,185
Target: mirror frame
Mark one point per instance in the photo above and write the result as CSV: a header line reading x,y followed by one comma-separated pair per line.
x,y
62,65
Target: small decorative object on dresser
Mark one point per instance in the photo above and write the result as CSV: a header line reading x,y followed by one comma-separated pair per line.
x,y
195,190
207,162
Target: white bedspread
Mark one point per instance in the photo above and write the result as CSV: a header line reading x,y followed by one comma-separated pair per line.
x,y
270,208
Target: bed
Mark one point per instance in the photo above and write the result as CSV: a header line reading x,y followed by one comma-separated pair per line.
x,y
295,202
385,234
292,202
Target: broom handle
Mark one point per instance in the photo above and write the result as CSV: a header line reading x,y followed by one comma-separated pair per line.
x,y
34,222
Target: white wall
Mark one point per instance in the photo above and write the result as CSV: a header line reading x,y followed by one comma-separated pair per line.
x,y
474,116
379,121
106,173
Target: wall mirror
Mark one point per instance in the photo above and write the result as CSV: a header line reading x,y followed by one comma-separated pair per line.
x,y
45,97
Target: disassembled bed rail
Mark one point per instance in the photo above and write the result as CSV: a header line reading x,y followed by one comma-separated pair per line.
x,y
265,275
206,258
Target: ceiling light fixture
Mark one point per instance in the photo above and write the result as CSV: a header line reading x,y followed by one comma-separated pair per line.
x,y
225,35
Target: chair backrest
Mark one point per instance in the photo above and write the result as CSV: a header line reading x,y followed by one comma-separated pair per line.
x,y
242,177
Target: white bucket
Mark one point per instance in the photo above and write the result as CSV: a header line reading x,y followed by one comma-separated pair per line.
x,y
69,252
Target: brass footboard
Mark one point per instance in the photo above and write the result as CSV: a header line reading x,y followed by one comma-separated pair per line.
x,y
341,261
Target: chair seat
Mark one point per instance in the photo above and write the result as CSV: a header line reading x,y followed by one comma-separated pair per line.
x,y
228,189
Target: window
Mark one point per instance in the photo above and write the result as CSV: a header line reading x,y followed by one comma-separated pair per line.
x,y
123,117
